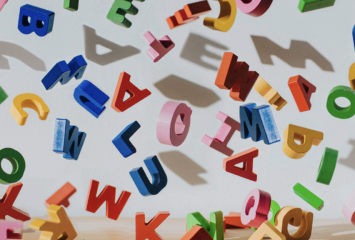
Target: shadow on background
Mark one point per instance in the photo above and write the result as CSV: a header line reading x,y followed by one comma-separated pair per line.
x,y
179,89
350,160
117,52
295,56
183,166
18,52
195,48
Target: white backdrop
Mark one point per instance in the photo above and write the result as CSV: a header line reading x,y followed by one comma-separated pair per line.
x,y
322,51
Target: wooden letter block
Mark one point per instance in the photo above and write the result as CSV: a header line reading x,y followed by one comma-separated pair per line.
x,y
3,95
28,100
327,166
214,228
108,195
122,143
309,5
307,137
349,208
7,229
308,196
269,94
258,123
247,158
6,208
118,11
18,166
255,208
223,135
159,178
337,111
158,49
197,233
352,70
301,90
298,218
146,231
225,20
267,229
173,123
2,3
71,5
124,85
235,76
59,225
61,197
233,220
189,13
254,8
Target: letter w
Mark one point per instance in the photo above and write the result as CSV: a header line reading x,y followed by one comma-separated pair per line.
x,y
108,195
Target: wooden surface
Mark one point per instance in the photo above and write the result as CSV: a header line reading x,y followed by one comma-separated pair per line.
x,y
97,228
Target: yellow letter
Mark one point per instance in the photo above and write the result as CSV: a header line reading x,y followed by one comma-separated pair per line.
x,y
307,137
267,229
226,17
28,100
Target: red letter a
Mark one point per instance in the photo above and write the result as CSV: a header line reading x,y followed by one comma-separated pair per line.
x,y
147,230
123,86
247,158
108,195
301,90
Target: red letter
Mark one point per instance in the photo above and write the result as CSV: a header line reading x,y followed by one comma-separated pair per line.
x,y
108,195
235,76
301,90
123,86
247,158
61,197
6,208
147,230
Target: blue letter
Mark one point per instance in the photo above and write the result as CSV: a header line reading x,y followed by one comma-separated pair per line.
x,y
122,143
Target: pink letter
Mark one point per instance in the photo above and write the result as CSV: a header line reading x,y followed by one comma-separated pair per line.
x,y
256,207
158,48
7,229
2,3
173,123
255,8
349,208
224,134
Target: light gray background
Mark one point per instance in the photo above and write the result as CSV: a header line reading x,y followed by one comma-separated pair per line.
x,y
196,179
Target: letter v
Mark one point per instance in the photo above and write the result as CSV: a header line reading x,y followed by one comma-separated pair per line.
x,y
247,158
108,195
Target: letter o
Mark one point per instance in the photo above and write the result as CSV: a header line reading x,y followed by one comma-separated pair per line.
x,y
173,123
18,166
337,111
255,8
256,208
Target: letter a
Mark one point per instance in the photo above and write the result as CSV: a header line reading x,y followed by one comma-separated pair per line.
x,y
247,158
123,86
301,90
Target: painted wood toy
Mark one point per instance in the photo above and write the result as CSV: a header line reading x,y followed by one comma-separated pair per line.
x,y
3,95
71,5
266,228
173,123
258,123
122,143
307,138
308,196
118,11
236,77
337,111
254,8
59,225
7,229
41,20
327,166
301,91
234,220
310,5
158,48
189,13
125,86
348,208
223,135
108,195
18,166
61,197
159,178
7,202
28,100
197,233
226,18
214,227
147,230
